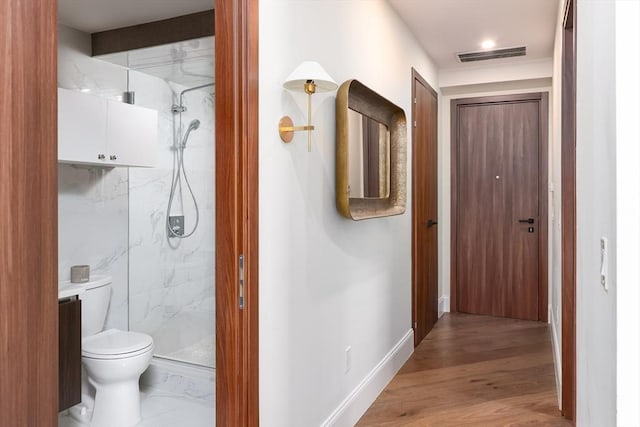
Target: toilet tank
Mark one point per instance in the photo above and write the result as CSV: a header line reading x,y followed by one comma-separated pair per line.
x,y
95,302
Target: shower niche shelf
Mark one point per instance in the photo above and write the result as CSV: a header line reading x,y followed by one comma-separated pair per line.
x,y
99,131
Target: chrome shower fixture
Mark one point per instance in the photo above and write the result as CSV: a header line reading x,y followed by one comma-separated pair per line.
x,y
195,124
179,108
175,109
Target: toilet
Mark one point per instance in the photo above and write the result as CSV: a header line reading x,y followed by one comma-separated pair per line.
x,y
112,360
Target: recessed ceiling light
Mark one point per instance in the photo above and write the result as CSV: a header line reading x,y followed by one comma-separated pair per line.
x,y
488,44
85,90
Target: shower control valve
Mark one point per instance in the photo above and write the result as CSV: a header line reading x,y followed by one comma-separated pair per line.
x,y
101,156
113,157
176,225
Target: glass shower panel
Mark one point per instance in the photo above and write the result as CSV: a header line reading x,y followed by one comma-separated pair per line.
x,y
172,279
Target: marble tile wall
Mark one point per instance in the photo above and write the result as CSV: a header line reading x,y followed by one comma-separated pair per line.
x,y
114,219
93,203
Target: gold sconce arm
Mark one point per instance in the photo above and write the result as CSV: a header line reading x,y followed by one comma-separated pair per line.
x,y
286,129
286,124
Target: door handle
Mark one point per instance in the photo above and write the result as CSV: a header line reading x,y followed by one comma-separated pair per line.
x,y
431,223
526,221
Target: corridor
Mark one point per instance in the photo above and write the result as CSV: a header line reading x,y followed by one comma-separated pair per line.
x,y
474,371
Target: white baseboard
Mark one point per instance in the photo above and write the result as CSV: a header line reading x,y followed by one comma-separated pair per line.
x,y
443,305
557,356
360,399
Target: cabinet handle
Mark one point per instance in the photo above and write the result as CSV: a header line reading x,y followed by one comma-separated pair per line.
x,y
100,156
113,157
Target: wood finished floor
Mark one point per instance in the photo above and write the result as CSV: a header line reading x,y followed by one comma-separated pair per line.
x,y
474,371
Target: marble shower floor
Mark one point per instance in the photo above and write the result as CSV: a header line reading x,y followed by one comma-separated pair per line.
x,y
201,353
162,409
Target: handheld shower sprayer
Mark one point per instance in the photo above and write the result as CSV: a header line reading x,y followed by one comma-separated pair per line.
x,y
195,124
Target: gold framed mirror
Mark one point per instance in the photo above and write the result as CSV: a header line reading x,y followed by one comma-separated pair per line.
x,y
371,154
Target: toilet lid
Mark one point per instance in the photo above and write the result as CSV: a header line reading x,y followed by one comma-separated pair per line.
x,y
114,342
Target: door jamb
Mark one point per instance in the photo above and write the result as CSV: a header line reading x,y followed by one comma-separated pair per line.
x,y
236,63
543,263
568,172
416,78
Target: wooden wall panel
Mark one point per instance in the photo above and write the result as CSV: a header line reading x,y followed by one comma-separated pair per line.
x,y
28,208
172,30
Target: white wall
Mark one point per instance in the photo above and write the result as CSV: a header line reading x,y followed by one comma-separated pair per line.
x,y
628,211
596,212
326,282
489,73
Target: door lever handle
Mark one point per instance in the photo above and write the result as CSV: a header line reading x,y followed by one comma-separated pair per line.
x,y
526,221
431,223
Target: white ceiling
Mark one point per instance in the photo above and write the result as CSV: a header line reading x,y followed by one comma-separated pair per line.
x,y
447,27
92,16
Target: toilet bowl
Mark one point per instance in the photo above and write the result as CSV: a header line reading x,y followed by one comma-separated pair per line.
x,y
113,361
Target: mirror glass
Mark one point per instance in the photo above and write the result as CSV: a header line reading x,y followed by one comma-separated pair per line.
x,y
369,157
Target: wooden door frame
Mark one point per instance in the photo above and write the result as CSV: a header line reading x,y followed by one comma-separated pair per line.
x,y
29,304
568,171
29,197
416,78
236,63
543,159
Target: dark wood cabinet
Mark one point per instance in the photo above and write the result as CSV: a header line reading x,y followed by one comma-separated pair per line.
x,y
70,353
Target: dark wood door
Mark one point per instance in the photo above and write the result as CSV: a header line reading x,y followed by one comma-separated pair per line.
x,y
425,208
498,216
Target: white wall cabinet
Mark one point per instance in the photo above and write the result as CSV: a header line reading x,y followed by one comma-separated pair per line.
x,y
98,131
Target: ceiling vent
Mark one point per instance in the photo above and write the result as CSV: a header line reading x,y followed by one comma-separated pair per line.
x,y
492,54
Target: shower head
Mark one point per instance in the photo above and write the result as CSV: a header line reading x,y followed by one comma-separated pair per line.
x,y
195,124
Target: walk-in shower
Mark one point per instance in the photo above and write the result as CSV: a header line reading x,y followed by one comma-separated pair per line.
x,y
172,280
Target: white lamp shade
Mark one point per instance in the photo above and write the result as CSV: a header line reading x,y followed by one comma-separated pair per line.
x,y
310,70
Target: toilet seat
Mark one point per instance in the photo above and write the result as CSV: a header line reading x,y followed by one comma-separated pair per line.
x,y
115,344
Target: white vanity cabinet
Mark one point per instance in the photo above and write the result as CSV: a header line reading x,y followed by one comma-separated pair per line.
x,y
99,131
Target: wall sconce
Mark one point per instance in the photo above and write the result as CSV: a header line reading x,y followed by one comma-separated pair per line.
x,y
309,78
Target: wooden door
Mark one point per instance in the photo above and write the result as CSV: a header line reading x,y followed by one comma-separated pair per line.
x,y
425,208
29,208
499,214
